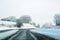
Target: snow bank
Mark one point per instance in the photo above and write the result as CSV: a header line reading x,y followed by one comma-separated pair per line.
x,y
27,26
7,28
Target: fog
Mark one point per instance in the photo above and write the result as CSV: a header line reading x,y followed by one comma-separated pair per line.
x,y
41,11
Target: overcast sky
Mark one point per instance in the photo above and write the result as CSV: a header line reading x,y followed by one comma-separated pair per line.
x,y
41,11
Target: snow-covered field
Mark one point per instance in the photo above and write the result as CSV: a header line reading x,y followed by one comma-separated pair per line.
x,y
22,27
5,25
7,28
27,26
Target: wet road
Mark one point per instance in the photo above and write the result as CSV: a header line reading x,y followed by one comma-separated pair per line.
x,y
23,35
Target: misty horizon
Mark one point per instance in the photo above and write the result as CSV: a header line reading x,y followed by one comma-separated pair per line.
x,y
41,11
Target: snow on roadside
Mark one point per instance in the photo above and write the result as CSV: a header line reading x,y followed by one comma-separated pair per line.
x,y
27,26
7,34
7,28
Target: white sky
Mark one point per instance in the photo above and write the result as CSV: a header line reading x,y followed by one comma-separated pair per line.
x,y
40,10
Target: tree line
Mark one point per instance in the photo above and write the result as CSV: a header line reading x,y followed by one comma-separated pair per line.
x,y
28,19
19,21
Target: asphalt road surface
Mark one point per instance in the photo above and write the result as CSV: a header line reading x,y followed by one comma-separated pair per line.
x,y
23,34
26,34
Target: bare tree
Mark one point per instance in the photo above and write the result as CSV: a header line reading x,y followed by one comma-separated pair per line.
x,y
25,19
19,23
10,18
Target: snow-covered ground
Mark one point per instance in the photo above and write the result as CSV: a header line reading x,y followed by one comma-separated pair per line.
x,y
4,25
7,23
27,26
54,33
7,28
7,34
